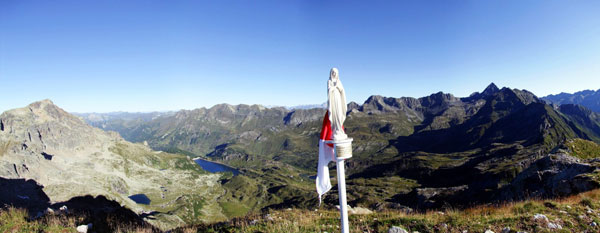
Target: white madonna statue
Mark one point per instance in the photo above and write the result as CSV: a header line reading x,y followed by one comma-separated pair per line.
x,y
336,105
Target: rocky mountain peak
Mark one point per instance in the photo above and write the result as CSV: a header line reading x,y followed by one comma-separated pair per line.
x,y
46,110
353,106
490,89
439,98
39,112
43,127
517,95
377,103
223,108
374,98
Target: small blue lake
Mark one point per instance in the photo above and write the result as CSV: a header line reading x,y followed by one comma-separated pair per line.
x,y
140,199
213,167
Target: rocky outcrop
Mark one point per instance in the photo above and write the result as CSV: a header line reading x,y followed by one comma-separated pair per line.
x,y
554,175
224,153
380,104
427,198
353,107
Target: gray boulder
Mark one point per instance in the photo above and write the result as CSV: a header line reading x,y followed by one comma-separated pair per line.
x,y
395,229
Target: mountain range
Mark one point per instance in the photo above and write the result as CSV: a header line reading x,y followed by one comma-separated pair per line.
x,y
408,153
588,98
464,150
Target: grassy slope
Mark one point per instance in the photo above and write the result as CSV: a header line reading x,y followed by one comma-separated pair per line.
x,y
575,214
583,149
183,197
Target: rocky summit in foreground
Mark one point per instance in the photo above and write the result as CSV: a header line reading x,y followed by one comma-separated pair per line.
x,y
43,146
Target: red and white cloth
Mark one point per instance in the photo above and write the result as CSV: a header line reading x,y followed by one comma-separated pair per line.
x,y
326,155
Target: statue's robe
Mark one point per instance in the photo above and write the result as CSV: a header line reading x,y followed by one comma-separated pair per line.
x,y
337,108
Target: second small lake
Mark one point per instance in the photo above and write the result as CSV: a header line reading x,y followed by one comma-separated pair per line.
x,y
140,199
213,167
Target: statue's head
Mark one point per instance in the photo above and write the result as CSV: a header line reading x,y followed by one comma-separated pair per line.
x,y
334,74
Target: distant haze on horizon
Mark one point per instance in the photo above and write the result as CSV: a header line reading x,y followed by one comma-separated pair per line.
x,y
141,56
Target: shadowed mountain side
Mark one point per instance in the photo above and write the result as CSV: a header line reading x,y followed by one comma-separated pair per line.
x,y
22,193
584,120
105,215
525,124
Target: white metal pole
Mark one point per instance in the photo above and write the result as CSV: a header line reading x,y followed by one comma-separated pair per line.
x,y
341,175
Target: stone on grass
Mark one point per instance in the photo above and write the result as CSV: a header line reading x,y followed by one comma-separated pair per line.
x,y
554,226
49,211
395,229
489,231
540,217
64,210
360,210
506,230
84,228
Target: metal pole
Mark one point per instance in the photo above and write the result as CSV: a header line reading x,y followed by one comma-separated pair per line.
x,y
341,175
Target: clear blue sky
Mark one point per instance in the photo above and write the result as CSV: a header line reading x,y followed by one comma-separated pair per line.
x,y
168,55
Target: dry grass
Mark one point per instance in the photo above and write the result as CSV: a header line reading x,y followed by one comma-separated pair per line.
x,y
17,220
574,213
